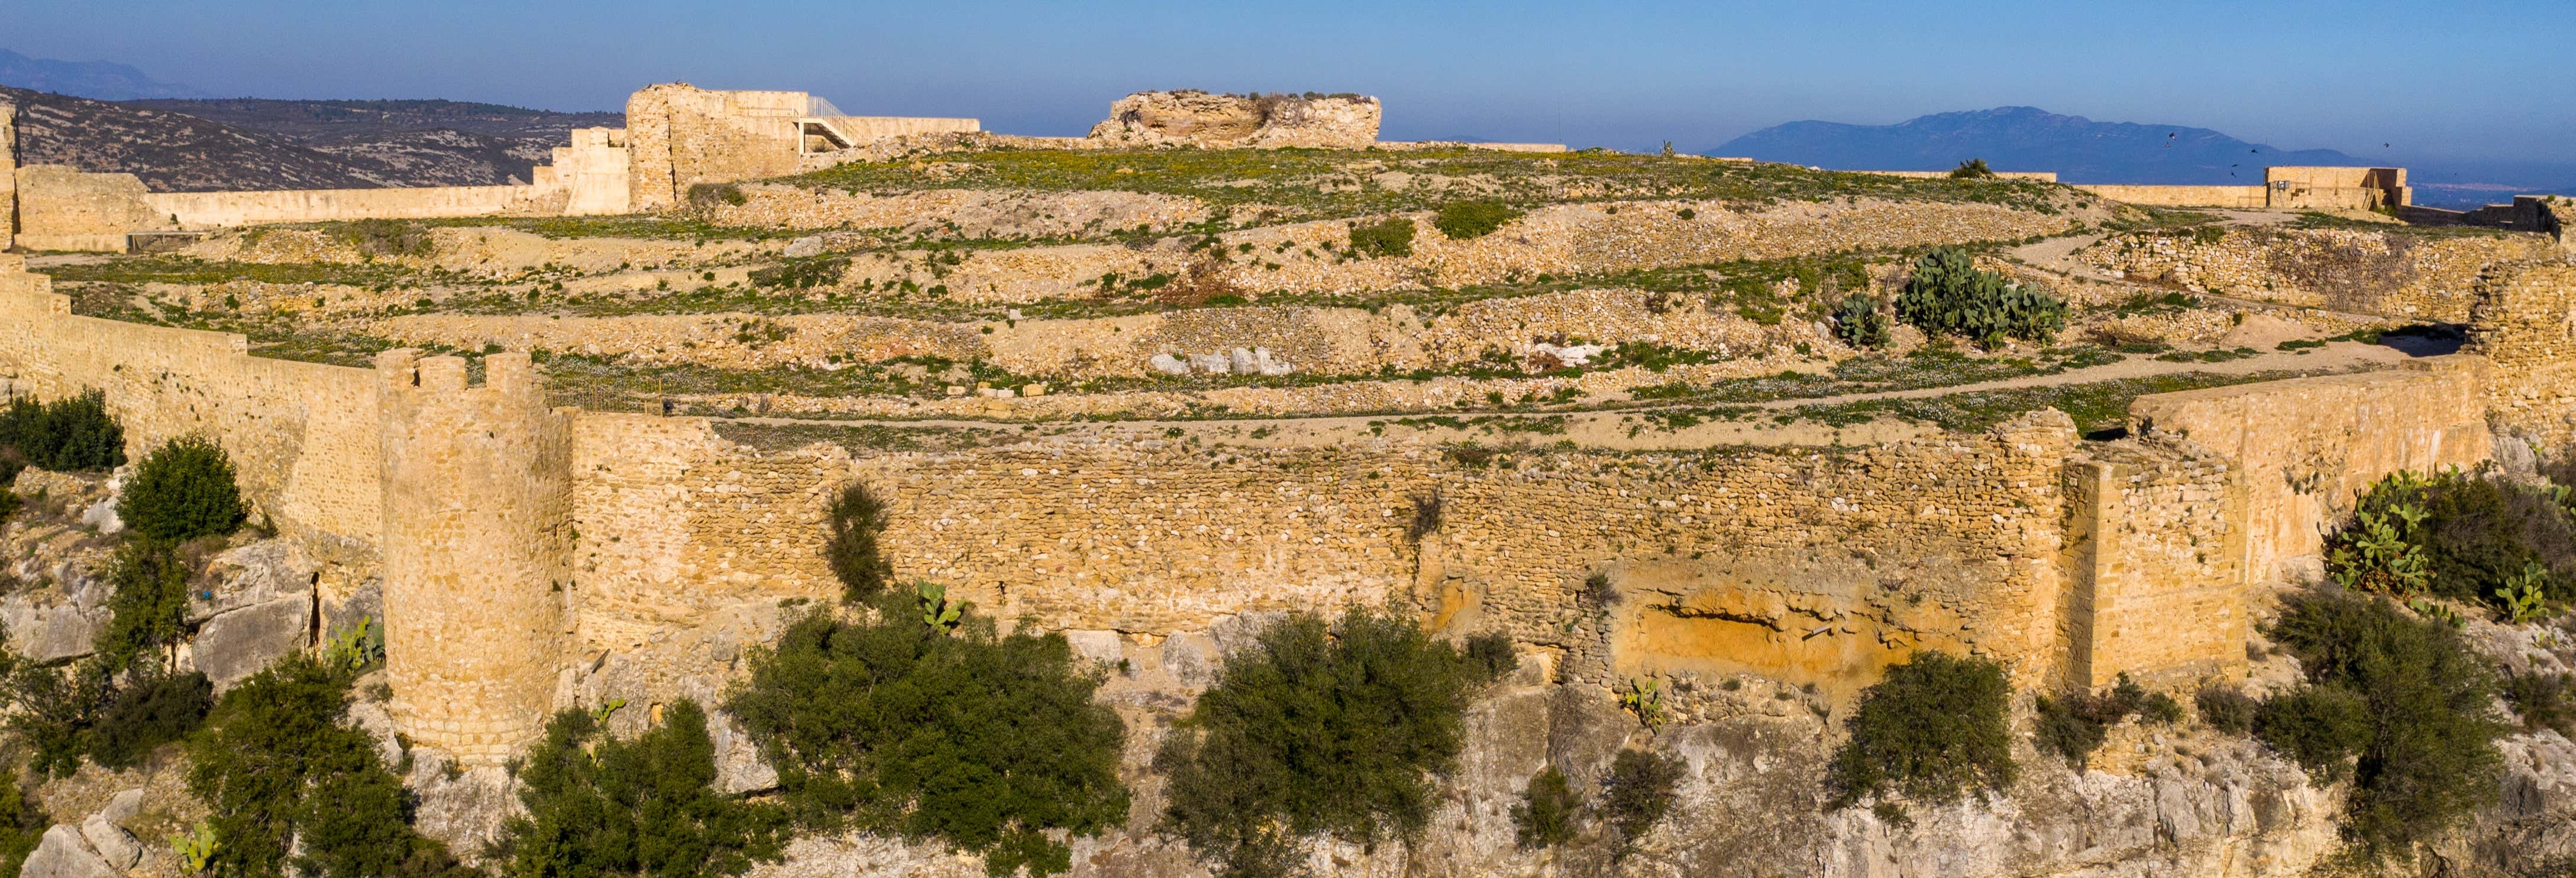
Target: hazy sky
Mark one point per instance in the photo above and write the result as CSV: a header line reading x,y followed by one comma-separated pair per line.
x,y
2457,79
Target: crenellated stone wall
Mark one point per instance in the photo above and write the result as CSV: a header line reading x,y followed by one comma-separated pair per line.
x,y
2525,328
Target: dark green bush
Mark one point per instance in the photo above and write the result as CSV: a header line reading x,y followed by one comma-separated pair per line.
x,y
2227,710
1861,321
1545,816
67,435
1492,651
149,607
1461,220
1972,169
855,519
1932,731
803,273
2318,727
2474,533
1317,728
52,711
985,742
1639,792
705,196
2543,701
386,237
275,765
2425,754
183,490
1949,295
2074,725
22,824
152,709
1391,237
601,806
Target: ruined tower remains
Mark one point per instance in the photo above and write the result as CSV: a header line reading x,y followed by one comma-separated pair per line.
x,y
477,550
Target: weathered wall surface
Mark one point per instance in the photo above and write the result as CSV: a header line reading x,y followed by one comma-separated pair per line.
x,y
2155,532
477,545
200,210
679,136
302,435
2306,448
2391,274
1214,121
61,208
2525,328
2181,196
8,175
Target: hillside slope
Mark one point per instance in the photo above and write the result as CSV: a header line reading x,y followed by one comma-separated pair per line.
x,y
2080,150
198,145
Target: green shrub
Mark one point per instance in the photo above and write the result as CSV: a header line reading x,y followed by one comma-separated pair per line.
x,y
1972,169
2425,755
705,196
386,237
1313,729
67,435
1949,295
1861,321
1391,237
2473,537
1462,220
2074,725
22,824
1545,816
1932,731
601,806
986,742
2227,709
183,490
2318,727
276,767
152,709
1639,792
1492,651
855,519
149,604
804,273
52,711
2543,701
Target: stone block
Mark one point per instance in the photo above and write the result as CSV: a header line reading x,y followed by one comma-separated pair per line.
x,y
49,625
739,768
114,845
63,854
1098,646
1169,365
258,573
235,645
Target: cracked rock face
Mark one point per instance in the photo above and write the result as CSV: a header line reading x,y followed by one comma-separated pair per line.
x,y
1196,118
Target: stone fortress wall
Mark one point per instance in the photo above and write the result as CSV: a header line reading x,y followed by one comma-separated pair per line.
x,y
595,536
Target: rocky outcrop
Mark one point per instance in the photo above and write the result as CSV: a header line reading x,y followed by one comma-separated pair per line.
x,y
260,609
1214,121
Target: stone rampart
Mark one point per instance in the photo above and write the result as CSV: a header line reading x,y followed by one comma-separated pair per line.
x,y
2525,327
2390,274
679,136
61,208
8,175
201,210
2243,197
2155,530
2306,448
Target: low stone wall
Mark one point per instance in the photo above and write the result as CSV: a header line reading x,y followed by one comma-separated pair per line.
x,y
2240,197
205,210
2306,448
61,208
2389,274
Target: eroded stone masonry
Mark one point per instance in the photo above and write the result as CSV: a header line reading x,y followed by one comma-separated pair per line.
x,y
531,557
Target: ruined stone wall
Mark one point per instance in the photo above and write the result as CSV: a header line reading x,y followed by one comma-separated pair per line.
x,y
8,175
61,208
2155,532
591,172
477,541
2525,328
2307,447
301,435
1214,121
2246,197
2390,274
679,136
203,210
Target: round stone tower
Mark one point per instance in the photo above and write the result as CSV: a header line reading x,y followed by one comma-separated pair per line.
x,y
477,551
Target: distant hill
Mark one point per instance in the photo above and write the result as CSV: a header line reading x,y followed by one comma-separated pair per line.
x,y
198,145
103,80
2080,150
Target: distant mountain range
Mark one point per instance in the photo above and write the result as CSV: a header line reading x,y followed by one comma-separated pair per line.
x,y
2081,150
103,80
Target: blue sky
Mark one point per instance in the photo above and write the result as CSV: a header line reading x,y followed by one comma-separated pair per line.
x,y
2465,79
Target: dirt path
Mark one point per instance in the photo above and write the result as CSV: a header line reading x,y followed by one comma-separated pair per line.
x,y
1612,428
